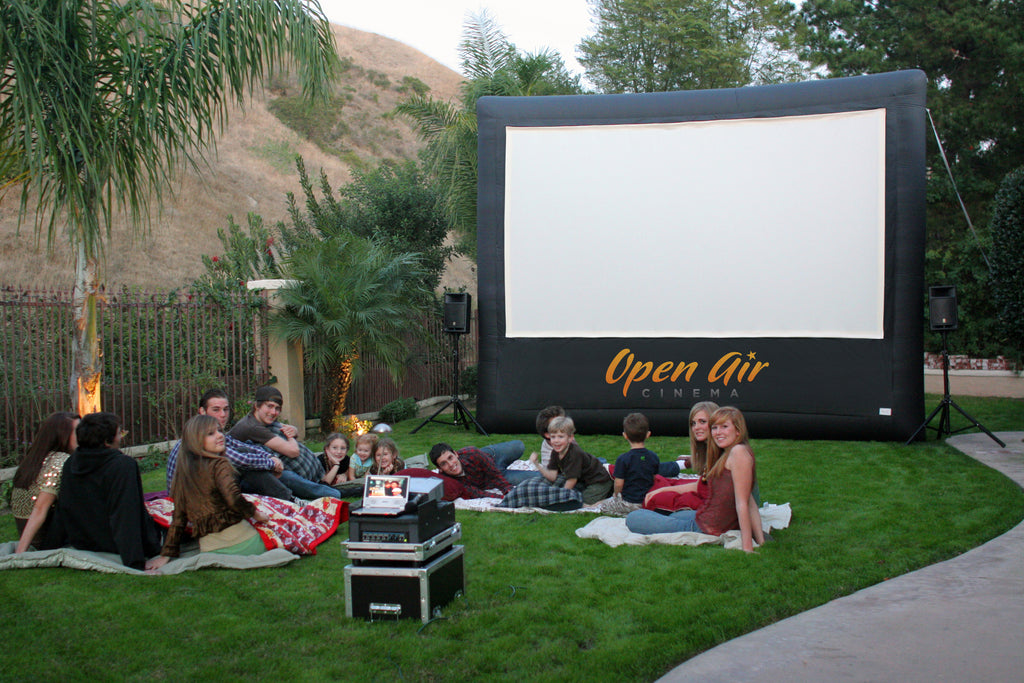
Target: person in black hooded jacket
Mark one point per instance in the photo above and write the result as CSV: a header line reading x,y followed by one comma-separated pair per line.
x,y
100,507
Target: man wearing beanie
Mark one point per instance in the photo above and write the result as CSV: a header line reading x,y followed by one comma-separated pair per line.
x,y
302,469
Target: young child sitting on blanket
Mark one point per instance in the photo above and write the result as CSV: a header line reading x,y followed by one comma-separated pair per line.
x,y
543,418
635,469
205,492
571,466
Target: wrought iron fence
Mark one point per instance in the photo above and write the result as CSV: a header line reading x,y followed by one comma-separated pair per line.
x,y
162,349
159,349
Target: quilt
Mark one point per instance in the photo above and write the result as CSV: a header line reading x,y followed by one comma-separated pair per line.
x,y
297,529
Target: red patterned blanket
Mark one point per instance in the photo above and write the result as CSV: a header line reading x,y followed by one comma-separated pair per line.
x,y
296,529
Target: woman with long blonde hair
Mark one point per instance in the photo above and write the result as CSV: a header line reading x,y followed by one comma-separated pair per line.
x,y
205,492
730,474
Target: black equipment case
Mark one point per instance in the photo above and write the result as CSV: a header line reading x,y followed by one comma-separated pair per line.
x,y
427,521
410,591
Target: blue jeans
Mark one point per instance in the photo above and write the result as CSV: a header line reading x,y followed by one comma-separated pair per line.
x,y
669,469
651,522
306,489
506,453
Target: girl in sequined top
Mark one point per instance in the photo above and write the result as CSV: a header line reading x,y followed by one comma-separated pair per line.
x,y
37,481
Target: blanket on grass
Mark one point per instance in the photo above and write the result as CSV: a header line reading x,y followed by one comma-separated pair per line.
x,y
109,563
297,529
613,531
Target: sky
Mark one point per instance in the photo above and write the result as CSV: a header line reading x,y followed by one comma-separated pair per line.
x,y
434,27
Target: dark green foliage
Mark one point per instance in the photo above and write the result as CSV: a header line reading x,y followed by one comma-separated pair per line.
x,y
468,381
398,410
319,122
1007,230
961,264
377,78
972,52
393,204
154,459
662,45
247,255
351,297
413,85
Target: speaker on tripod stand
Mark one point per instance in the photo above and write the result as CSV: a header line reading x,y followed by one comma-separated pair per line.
x,y
942,318
456,316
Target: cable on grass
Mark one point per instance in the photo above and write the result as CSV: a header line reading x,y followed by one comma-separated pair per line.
x,y
428,623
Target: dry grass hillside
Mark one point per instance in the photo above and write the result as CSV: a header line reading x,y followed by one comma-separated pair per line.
x,y
251,172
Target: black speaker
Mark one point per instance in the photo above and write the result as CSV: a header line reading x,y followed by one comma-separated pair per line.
x,y
457,306
942,308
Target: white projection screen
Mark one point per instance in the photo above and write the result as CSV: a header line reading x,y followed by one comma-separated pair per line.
x,y
759,188
757,247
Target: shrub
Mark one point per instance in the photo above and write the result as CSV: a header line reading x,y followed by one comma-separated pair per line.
x,y
154,459
1007,228
398,410
467,382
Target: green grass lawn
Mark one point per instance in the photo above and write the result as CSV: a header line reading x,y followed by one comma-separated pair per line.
x,y
541,604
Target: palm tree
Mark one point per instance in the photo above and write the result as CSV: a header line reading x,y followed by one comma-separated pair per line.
x,y
492,66
101,102
350,297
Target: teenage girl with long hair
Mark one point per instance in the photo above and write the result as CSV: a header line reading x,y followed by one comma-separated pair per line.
x,y
37,481
690,494
205,492
730,474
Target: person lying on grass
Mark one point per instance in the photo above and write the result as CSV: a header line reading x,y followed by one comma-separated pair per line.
x,y
205,492
472,469
730,476
570,466
335,459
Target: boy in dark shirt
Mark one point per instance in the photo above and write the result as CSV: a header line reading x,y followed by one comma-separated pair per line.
x,y
635,469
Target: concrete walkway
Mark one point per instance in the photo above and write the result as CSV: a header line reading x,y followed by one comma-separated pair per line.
x,y
959,620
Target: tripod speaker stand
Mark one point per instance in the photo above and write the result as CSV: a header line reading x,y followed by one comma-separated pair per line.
x,y
456,323
943,318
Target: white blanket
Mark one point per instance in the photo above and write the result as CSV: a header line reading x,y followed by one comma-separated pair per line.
x,y
613,531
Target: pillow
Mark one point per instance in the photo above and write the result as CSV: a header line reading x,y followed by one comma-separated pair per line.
x,y
670,501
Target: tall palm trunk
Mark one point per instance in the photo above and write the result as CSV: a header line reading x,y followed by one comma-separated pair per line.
x,y
85,346
336,395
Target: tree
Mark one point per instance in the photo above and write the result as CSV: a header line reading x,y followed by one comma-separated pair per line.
x,y
1008,259
972,52
492,66
102,102
662,45
393,203
351,296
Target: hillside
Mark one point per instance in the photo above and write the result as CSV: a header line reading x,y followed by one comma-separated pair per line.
x,y
251,172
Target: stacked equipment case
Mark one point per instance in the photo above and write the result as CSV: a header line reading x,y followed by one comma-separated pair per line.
x,y
407,566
